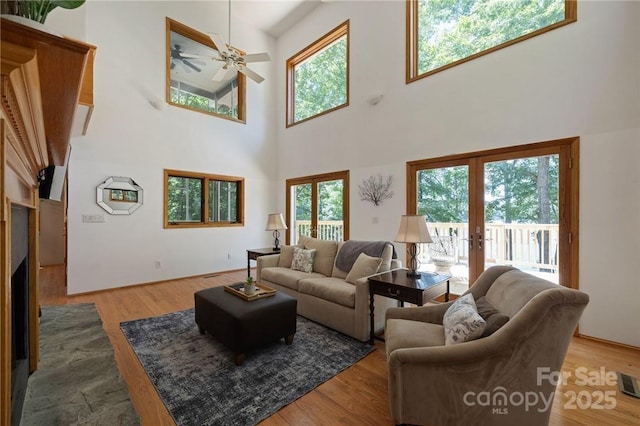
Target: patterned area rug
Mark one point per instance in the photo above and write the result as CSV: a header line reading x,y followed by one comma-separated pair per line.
x,y
200,385
77,381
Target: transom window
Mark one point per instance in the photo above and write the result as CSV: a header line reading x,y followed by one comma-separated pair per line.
x,y
197,199
318,77
442,34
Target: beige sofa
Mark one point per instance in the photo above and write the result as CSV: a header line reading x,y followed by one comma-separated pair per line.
x,y
480,382
325,294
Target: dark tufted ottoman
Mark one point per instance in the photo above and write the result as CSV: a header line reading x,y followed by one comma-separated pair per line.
x,y
241,325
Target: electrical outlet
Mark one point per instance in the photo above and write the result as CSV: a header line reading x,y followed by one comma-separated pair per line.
x,y
158,264
228,256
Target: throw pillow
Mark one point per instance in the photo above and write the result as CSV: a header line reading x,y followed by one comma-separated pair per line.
x,y
494,318
302,259
363,267
461,321
286,256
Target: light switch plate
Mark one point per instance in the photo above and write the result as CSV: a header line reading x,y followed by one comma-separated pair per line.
x,y
93,218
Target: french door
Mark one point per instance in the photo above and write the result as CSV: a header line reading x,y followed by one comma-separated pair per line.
x,y
513,206
318,206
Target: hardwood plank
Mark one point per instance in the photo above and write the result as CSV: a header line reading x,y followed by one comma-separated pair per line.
x,y
356,396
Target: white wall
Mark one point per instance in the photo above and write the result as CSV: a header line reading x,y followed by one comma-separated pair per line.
x,y
579,80
128,137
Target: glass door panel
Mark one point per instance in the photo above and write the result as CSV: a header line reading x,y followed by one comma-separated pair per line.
x,y
330,215
521,212
443,196
317,206
301,212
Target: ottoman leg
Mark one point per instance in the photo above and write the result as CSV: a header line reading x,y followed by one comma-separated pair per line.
x,y
239,358
289,339
201,330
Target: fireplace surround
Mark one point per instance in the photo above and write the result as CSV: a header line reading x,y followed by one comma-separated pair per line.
x,y
19,309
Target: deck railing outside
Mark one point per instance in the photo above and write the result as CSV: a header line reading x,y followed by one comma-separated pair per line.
x,y
517,244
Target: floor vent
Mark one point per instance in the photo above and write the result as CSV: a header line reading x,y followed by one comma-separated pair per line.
x,y
211,276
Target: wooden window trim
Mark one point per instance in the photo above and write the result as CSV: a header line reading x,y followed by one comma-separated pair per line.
x,y
411,54
569,151
206,178
314,180
184,30
315,47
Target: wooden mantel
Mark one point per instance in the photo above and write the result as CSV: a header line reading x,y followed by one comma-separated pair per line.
x,y
40,80
61,64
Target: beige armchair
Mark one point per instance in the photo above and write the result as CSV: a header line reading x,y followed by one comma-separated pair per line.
x,y
503,379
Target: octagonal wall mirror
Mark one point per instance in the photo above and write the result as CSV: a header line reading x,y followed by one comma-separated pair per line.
x,y
119,195
191,68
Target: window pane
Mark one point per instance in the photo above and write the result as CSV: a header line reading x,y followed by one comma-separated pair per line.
x,y
448,31
184,199
223,201
330,215
522,214
321,81
301,207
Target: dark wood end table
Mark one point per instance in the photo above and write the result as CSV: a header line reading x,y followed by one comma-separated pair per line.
x,y
397,285
254,254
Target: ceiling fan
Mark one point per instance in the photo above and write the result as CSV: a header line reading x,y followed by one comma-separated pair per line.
x,y
232,58
187,61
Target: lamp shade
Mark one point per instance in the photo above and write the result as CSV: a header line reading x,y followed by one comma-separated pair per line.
x,y
275,222
413,229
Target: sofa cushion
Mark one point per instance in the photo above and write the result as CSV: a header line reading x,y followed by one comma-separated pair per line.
x,y
286,277
494,318
334,290
386,257
286,256
325,253
363,267
302,259
462,322
402,333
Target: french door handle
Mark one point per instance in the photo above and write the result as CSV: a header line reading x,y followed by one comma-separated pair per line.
x,y
479,241
470,241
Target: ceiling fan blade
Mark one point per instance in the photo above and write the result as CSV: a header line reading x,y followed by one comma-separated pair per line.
x,y
220,44
220,74
193,56
256,57
251,74
190,65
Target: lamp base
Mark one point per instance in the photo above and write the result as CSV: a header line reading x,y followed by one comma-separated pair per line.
x,y
419,274
413,274
276,249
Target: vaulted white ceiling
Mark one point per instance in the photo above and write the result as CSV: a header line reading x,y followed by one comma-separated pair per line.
x,y
272,16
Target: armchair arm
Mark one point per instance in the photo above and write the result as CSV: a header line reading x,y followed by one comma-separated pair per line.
x,y
431,313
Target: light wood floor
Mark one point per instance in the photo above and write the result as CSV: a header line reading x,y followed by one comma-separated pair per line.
x,y
358,395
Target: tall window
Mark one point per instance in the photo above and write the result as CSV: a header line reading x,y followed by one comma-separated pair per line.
x,y
441,34
196,199
318,77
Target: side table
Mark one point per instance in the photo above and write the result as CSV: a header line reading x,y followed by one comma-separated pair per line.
x,y
397,285
254,254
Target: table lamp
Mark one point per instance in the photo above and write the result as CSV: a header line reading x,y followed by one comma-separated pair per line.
x,y
275,223
413,231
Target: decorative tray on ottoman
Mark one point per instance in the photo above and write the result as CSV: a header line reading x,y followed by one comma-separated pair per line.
x,y
262,291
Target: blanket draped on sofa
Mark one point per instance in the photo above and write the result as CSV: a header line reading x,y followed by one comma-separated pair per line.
x,y
351,250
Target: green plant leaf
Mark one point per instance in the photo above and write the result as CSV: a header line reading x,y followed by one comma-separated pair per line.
x,y
67,4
